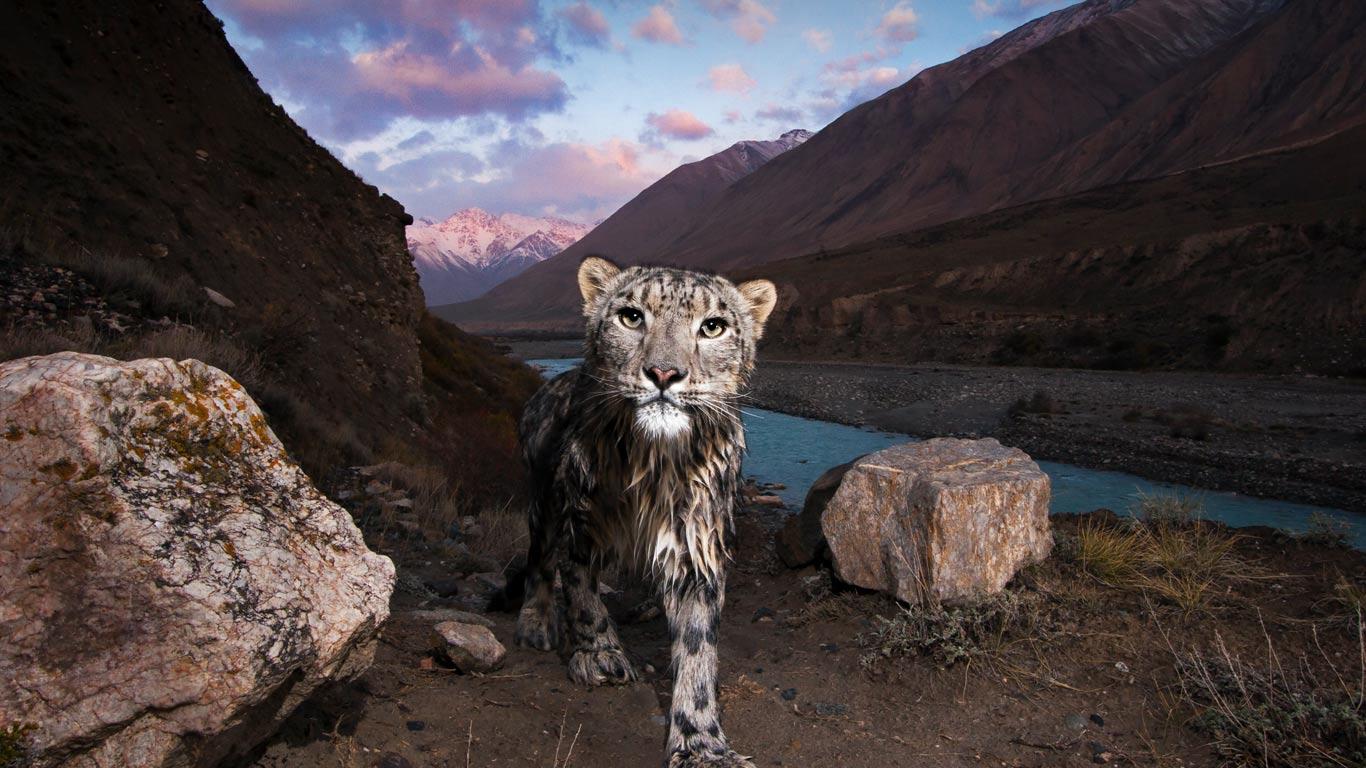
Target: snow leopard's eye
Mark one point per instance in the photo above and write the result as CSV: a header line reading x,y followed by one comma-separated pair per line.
x,y
631,317
713,327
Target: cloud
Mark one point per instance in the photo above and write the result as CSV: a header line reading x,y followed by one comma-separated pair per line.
x,y
677,124
900,24
749,18
779,114
349,68
580,181
1009,9
852,80
730,77
586,25
416,141
658,26
732,116
819,39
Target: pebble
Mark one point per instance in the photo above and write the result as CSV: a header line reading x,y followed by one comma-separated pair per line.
x,y
1075,722
416,725
762,613
827,709
789,694
392,760
1097,719
830,647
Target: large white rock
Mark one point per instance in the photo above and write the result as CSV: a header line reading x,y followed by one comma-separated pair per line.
x,y
171,583
943,520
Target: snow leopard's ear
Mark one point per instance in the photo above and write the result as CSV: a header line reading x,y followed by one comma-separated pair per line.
x,y
761,295
595,273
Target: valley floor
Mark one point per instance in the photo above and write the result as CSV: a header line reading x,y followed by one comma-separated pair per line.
x,y
1082,673
1294,438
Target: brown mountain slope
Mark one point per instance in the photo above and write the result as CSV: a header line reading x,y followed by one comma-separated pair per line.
x,y
134,134
1254,265
1099,93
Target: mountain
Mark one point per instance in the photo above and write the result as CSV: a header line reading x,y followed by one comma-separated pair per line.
x,y
143,166
1257,264
463,256
649,221
1101,93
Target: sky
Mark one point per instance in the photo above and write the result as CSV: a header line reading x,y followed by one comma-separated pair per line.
x,y
572,108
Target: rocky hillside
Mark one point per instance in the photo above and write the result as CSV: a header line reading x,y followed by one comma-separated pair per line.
x,y
646,224
1257,265
463,256
158,202
1101,93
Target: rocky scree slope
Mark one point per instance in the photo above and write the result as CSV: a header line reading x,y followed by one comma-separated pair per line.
x,y
141,155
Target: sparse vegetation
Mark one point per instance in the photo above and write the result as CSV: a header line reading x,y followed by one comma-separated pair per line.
x,y
1039,403
949,635
1302,714
137,285
1189,422
1324,530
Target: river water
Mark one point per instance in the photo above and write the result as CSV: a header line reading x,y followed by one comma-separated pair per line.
x,y
794,451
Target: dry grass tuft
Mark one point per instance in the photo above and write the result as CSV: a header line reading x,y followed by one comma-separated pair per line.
x,y
949,635
1165,549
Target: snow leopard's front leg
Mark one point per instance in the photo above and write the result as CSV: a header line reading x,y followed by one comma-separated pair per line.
x,y
693,604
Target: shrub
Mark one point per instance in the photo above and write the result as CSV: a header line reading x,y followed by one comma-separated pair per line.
x,y
1272,714
181,342
953,634
126,281
1040,402
1188,421
1324,530
19,341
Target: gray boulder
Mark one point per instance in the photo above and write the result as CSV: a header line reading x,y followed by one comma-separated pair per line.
x,y
469,647
171,584
944,520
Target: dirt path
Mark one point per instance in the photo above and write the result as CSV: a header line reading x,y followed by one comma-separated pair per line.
x,y
1094,677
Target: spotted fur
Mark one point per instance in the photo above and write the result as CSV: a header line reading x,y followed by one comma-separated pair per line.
x,y
635,458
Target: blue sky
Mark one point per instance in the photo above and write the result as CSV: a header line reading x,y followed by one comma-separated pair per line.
x,y
571,108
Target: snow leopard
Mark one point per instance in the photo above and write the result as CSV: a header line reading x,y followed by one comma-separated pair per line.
x,y
634,458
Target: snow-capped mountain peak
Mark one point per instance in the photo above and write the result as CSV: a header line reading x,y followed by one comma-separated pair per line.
x,y
472,250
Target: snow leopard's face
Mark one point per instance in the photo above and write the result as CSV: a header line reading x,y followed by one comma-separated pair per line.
x,y
675,346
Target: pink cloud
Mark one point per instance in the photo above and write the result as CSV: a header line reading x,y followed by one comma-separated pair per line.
x,y
587,25
900,24
819,39
658,26
1009,8
435,60
749,18
429,86
730,77
678,124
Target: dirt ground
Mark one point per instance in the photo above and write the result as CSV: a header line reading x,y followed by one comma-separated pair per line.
x,y
1088,679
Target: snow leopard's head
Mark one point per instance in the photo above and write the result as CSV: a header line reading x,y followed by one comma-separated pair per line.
x,y
675,346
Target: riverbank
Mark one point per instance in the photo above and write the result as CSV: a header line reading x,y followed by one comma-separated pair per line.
x,y
1294,438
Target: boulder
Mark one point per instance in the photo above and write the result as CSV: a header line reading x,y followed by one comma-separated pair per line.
x,y
171,583
468,647
800,541
939,521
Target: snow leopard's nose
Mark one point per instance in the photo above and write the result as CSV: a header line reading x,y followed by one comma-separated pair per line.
x,y
663,377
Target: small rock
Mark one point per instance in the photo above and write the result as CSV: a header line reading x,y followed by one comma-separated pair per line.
x,y
1122,667
763,613
769,500
416,725
789,694
830,647
1075,722
827,709
218,298
405,504
447,587
1097,719
438,615
468,647
1101,758
776,486
474,531
392,760
493,582
201,154
659,720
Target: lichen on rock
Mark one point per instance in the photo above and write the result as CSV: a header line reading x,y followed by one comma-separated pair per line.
x,y
171,583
